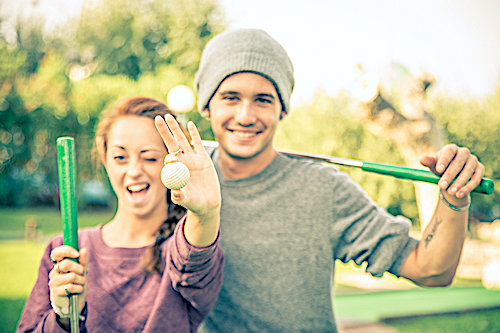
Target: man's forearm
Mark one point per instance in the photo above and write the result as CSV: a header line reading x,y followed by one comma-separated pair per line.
x,y
435,260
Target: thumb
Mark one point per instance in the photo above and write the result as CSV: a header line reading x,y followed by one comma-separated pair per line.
x,y
179,197
429,162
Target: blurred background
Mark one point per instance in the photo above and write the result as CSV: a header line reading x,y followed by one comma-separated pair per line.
x,y
382,81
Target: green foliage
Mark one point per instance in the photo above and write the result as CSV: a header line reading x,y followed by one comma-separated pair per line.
x,y
130,37
52,87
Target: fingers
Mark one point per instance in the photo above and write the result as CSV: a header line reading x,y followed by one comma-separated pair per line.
x,y
173,136
196,138
68,277
460,171
62,252
468,179
165,134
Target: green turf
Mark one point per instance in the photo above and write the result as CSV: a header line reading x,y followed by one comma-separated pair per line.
x,y
482,321
19,261
49,220
372,307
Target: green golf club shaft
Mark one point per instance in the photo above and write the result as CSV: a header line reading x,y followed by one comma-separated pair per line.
x,y
66,166
486,186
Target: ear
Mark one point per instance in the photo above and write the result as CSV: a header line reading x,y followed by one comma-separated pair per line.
x,y
283,114
100,150
206,113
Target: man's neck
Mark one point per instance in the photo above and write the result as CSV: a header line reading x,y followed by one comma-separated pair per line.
x,y
233,168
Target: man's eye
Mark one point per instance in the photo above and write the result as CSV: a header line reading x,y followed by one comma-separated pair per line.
x,y
263,100
151,159
119,158
230,98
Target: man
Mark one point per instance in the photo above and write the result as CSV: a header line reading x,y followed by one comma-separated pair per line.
x,y
284,221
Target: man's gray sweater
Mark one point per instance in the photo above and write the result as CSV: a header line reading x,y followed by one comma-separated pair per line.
x,y
281,232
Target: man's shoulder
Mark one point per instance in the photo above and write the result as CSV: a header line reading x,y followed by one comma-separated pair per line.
x,y
301,164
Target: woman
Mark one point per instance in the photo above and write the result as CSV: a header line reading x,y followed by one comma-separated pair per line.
x,y
150,269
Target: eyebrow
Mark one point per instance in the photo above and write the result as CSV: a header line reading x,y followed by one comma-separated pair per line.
x,y
222,93
265,95
142,151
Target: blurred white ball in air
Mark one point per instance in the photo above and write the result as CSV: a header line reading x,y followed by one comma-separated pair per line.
x,y
181,99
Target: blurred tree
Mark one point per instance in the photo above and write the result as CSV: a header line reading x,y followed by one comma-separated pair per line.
x,y
394,107
131,38
57,84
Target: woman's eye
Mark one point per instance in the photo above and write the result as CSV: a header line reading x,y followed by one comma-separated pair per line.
x,y
119,158
151,159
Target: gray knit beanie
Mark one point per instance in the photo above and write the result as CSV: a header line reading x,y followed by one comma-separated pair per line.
x,y
243,50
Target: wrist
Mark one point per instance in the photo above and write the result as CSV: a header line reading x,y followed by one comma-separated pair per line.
x,y
455,203
211,215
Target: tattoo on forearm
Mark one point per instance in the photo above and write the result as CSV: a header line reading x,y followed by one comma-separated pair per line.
x,y
433,232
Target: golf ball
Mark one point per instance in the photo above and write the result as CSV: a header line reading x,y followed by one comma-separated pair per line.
x,y
175,175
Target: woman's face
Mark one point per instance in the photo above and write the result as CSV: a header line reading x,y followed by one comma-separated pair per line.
x,y
133,161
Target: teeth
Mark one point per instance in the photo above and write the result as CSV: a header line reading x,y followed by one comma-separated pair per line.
x,y
137,188
244,134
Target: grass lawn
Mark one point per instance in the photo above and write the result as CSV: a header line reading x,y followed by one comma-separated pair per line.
x,y
481,321
49,219
20,259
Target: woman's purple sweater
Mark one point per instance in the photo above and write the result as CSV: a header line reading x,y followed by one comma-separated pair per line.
x,y
122,297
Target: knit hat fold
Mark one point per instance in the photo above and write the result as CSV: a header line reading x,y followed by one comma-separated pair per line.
x,y
243,50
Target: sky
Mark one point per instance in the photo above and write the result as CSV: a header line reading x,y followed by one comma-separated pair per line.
x,y
458,41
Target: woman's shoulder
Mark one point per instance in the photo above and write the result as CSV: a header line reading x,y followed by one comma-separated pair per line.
x,y
85,236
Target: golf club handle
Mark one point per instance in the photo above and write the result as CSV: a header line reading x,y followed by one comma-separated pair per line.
x,y
66,167
486,186
67,190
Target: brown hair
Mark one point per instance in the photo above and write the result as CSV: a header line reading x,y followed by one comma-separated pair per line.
x,y
143,107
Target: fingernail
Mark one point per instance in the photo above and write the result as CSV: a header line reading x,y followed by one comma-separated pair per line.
x,y
440,168
454,190
444,183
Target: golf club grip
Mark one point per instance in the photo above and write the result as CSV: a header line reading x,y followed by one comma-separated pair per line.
x,y
67,190
66,167
486,186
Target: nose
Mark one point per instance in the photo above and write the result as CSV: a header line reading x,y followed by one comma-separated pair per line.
x,y
245,116
134,169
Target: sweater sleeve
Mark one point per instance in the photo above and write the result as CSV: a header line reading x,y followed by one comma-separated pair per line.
x,y
37,315
196,273
367,233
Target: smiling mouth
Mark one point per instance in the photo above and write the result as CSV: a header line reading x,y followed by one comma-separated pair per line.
x,y
245,135
137,188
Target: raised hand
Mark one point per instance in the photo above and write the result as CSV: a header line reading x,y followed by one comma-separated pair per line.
x,y
201,196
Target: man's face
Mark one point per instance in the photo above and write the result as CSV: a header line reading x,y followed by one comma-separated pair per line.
x,y
244,112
